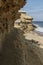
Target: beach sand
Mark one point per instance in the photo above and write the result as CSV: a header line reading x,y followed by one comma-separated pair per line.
x,y
32,35
38,46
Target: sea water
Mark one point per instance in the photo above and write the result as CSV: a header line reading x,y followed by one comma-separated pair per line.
x,y
39,25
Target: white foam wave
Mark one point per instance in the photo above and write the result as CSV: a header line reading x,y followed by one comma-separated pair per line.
x,y
36,25
39,29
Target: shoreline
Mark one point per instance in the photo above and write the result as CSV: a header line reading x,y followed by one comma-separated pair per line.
x,y
39,33
38,29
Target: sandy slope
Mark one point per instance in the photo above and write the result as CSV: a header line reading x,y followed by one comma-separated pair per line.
x,y
38,45
17,51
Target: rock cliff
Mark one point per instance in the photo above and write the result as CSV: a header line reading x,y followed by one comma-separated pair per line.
x,y
25,22
8,14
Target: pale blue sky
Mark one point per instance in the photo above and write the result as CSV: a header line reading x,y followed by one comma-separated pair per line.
x,y
34,8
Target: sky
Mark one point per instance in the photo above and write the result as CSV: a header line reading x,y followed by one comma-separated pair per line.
x,y
34,8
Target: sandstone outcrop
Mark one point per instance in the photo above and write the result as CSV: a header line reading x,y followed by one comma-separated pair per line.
x,y
25,22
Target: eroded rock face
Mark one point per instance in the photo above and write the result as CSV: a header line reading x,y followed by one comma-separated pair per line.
x,y
25,22
8,14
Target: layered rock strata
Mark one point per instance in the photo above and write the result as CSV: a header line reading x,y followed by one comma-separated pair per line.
x,y
25,23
